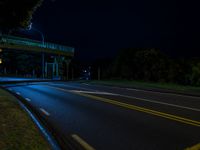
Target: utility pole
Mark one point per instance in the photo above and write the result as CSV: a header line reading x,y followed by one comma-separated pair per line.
x,y
99,73
43,45
67,61
72,73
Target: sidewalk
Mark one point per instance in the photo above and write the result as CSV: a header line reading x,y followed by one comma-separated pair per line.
x,y
17,131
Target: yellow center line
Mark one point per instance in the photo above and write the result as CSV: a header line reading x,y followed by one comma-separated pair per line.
x,y
84,144
142,109
137,108
195,147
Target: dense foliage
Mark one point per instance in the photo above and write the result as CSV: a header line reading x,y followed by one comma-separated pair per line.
x,y
19,63
16,13
152,65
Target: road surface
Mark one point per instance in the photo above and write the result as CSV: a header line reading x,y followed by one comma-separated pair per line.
x,y
112,118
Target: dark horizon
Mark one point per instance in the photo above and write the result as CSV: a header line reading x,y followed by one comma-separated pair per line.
x,y
103,27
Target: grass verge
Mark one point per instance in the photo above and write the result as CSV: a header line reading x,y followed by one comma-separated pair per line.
x,y
17,131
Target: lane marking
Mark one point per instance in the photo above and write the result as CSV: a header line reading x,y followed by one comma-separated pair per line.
x,y
164,93
158,102
180,95
18,93
10,89
138,108
93,92
28,99
85,84
81,91
44,112
132,97
70,86
46,133
141,99
147,100
84,144
145,110
195,147
132,89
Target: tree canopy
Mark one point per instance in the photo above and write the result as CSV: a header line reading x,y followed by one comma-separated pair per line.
x,y
17,13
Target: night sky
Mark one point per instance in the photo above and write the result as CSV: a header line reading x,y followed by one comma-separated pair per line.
x,y
99,28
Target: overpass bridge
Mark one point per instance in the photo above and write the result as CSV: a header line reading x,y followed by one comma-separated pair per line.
x,y
18,43
29,45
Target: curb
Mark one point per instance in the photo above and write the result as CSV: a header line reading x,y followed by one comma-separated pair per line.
x,y
55,140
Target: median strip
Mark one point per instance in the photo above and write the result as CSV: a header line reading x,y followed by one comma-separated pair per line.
x,y
84,144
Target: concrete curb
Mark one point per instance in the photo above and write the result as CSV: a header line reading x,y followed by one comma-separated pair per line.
x,y
56,141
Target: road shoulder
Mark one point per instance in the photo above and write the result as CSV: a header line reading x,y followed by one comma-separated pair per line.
x,y
16,127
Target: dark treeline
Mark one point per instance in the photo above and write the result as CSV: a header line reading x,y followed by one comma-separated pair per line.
x,y
18,63
151,65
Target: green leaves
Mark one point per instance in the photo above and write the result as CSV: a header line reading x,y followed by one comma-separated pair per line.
x,y
17,14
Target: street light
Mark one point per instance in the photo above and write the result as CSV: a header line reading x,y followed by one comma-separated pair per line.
x,y
30,27
0,58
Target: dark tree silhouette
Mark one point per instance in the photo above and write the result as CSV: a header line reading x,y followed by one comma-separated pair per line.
x,y
17,13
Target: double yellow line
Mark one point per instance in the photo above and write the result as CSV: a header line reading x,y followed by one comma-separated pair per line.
x,y
137,108
142,109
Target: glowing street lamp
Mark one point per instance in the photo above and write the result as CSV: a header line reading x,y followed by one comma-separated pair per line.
x,y
1,50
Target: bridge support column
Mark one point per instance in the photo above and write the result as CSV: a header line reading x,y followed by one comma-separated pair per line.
x,y
57,72
46,69
43,67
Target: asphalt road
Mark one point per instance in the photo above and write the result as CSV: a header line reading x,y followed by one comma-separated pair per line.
x,y
113,118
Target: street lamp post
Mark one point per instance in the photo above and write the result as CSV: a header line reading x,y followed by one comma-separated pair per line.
x,y
42,35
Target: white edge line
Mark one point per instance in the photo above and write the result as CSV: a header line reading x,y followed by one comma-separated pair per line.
x,y
68,86
92,92
142,99
44,112
151,91
28,99
164,93
84,144
45,132
18,93
85,84
163,103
